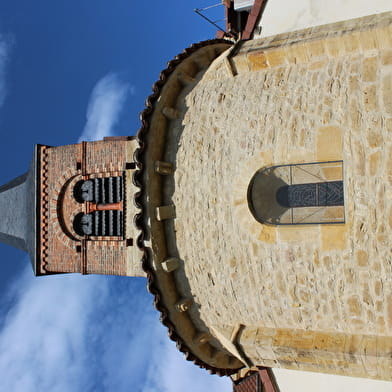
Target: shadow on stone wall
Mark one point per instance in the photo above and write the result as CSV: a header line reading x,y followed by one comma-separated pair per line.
x,y
262,196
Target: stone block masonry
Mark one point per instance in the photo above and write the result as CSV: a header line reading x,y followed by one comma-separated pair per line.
x,y
310,297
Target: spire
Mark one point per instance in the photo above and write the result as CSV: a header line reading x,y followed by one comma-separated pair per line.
x,y
18,212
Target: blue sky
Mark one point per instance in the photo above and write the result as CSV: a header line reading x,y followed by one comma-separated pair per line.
x,y
69,71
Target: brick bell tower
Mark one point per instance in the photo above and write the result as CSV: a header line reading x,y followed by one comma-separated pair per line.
x,y
76,209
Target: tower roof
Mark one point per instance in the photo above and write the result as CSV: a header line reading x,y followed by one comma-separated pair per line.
x,y
18,206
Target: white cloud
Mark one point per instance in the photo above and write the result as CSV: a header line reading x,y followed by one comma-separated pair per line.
x,y
44,333
88,333
169,371
104,108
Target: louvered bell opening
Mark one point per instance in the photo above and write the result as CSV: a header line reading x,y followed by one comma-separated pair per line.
x,y
108,223
97,189
108,190
118,223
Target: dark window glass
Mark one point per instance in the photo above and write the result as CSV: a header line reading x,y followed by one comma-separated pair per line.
x,y
311,195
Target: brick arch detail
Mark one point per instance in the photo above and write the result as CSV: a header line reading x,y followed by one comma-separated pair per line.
x,y
44,212
67,207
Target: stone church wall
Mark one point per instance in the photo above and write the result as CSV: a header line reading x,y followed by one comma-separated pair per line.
x,y
301,292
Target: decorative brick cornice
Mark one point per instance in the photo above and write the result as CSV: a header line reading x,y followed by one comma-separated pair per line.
x,y
44,210
140,201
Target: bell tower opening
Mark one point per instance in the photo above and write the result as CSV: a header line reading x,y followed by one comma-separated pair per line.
x,y
103,200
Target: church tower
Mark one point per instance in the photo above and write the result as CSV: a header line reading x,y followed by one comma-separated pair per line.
x,y
73,211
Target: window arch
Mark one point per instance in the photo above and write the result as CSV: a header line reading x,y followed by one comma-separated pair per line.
x,y
99,223
306,193
99,190
103,199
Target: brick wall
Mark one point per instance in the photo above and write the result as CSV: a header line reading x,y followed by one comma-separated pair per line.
x,y
106,257
63,250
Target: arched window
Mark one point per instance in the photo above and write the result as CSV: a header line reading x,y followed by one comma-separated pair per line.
x,y
99,190
104,204
307,193
99,223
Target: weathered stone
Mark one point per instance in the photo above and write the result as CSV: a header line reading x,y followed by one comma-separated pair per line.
x,y
329,144
368,299
374,138
378,288
362,258
390,218
370,68
287,233
333,237
257,61
381,325
355,114
374,163
389,312
388,125
387,93
386,57
351,42
354,65
353,84
275,57
317,65
316,48
334,46
367,41
370,98
268,234
355,307
241,64
359,158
